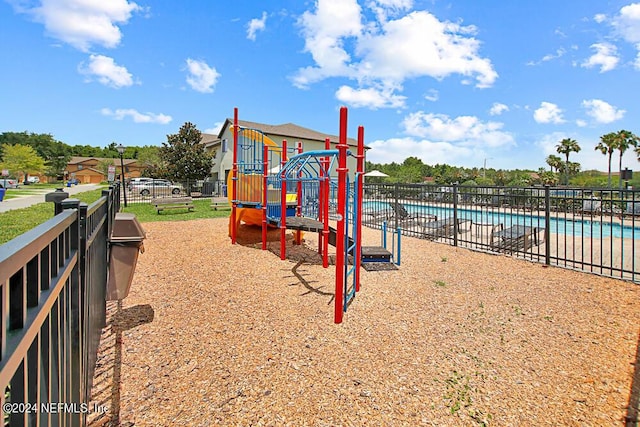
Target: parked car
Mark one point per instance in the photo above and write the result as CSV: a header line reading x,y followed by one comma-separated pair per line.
x,y
9,183
137,181
156,187
33,180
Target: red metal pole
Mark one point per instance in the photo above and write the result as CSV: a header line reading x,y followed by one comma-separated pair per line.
x,y
358,204
265,174
325,206
234,177
283,203
320,198
298,238
340,231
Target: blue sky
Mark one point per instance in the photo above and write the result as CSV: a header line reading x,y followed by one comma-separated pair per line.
x,y
459,82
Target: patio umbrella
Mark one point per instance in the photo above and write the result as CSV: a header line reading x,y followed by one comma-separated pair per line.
x,y
376,172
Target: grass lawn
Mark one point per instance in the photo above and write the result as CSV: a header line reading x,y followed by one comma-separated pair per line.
x,y
27,190
146,212
16,222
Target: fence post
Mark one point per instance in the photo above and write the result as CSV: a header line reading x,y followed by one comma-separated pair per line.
x,y
455,214
547,225
56,197
396,191
75,363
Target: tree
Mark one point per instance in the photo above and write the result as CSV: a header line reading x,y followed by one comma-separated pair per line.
x,y
623,141
184,155
55,153
554,162
567,146
548,178
103,165
149,158
21,160
607,145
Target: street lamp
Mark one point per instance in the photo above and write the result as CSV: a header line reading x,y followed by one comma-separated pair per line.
x,y
484,167
120,149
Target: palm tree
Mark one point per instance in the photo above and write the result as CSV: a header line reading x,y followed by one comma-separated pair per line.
x,y
607,146
624,140
566,146
554,162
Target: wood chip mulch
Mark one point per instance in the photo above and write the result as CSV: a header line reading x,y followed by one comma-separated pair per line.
x,y
219,334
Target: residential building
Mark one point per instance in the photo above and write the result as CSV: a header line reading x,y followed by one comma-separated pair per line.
x,y
222,144
93,170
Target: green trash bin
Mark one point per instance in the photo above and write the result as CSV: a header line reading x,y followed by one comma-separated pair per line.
x,y
126,243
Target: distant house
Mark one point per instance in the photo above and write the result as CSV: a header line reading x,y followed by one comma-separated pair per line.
x,y
222,144
89,170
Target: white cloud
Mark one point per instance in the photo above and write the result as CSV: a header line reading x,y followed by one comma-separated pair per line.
x,y
600,18
202,77
256,25
370,97
497,108
385,52
217,127
627,23
548,142
324,31
606,57
432,95
581,123
386,8
548,113
462,130
601,111
83,23
398,149
137,117
106,71
549,57
418,44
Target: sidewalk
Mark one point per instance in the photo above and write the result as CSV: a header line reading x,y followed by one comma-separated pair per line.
x,y
26,201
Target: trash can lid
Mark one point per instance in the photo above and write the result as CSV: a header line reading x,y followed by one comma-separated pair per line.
x,y
126,227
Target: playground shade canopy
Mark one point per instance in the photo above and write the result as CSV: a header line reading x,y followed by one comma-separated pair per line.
x,y
376,172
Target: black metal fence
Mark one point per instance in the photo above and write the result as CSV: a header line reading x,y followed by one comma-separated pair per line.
x,y
593,230
53,280
145,191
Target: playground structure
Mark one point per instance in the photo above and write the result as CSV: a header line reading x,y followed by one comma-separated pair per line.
x,y
275,185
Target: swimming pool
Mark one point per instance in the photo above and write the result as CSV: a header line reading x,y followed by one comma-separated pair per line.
x,y
573,227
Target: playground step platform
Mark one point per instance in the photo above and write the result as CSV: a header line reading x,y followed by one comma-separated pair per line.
x,y
375,254
304,224
379,266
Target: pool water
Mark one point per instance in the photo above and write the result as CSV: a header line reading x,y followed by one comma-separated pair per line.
x,y
578,227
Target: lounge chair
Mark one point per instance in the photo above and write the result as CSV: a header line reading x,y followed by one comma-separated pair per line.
x,y
591,206
403,215
433,230
632,209
516,238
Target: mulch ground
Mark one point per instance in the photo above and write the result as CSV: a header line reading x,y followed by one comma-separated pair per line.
x,y
221,334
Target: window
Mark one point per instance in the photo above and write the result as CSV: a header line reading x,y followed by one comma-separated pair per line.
x,y
224,146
